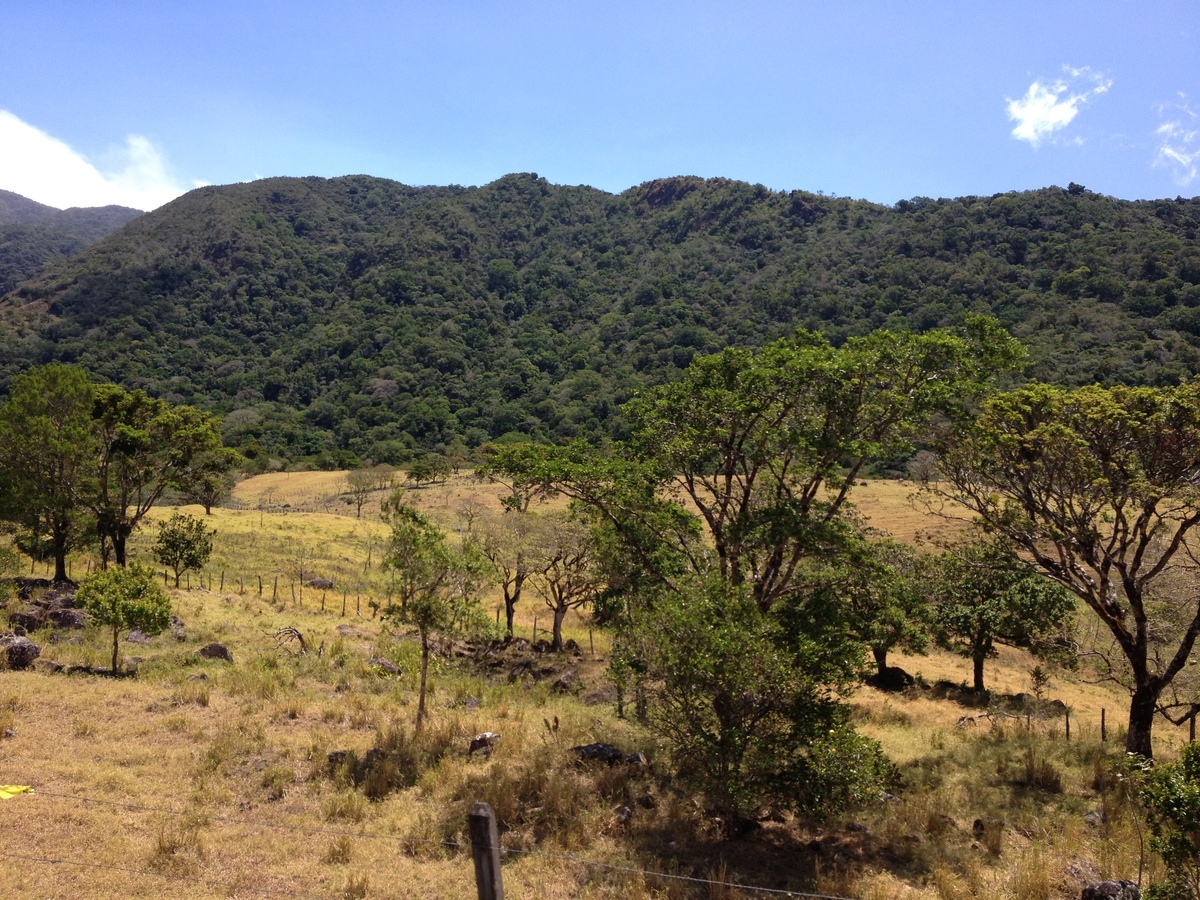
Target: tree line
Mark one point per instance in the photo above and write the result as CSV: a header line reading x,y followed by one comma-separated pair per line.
x,y
745,593
357,319
82,463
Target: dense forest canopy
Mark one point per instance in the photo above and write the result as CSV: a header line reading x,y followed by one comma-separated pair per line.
x,y
361,318
33,235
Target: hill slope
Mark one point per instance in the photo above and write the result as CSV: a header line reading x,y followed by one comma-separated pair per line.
x,y
361,315
33,236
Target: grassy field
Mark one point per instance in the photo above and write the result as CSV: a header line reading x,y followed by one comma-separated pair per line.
x,y
203,778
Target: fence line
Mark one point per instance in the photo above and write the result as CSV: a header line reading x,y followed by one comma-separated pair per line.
x,y
409,841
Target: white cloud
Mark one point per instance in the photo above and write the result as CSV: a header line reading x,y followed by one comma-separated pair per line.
x,y
1049,107
1178,145
43,168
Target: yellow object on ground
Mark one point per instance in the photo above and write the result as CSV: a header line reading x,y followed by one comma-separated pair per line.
x,y
8,791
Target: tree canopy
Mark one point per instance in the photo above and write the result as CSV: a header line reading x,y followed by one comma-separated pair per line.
x,y
1099,488
357,318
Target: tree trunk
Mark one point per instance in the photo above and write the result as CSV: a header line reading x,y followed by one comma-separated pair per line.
x,y
560,613
116,634
424,673
978,659
510,609
59,539
880,654
118,543
1142,707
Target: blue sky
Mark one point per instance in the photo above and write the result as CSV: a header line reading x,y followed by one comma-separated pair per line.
x,y
135,102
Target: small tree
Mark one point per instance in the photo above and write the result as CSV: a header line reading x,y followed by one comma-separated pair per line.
x,y
565,573
984,597
125,598
184,544
359,484
434,582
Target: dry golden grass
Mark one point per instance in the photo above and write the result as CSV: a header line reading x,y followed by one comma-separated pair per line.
x,y
198,774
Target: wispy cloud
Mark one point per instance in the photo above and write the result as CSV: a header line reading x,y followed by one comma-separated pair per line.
x,y
1050,106
1178,142
45,169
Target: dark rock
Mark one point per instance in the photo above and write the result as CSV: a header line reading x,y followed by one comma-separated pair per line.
x,y
469,703
623,814
71,619
27,587
19,651
29,617
176,622
638,760
1112,890
1095,817
607,694
566,682
600,752
8,733
137,636
647,801
384,665
200,676
19,631
571,646
216,651
484,743
541,646
320,583
892,679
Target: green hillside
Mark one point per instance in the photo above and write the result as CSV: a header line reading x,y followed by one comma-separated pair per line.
x,y
359,315
33,235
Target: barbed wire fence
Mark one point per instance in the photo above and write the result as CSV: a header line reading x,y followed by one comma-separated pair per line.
x,y
476,849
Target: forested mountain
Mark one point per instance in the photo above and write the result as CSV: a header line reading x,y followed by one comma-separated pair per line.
x,y
32,235
359,315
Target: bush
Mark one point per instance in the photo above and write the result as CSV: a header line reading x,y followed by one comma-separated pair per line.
x,y
1171,794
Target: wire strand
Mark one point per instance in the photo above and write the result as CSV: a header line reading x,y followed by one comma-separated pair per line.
x,y
455,845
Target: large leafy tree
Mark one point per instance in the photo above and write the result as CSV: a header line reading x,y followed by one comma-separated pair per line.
x,y
146,445
766,448
1099,488
47,460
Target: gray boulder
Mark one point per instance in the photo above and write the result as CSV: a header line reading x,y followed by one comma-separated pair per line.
x,y
1112,890
20,652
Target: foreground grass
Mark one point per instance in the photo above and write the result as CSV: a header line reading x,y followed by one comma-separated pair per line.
x,y
213,774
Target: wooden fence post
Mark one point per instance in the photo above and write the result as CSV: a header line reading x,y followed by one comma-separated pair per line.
x,y
343,603
1068,715
1103,726
259,587
275,590
222,579
485,848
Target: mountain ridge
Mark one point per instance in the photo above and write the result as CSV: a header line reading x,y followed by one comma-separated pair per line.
x,y
360,317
